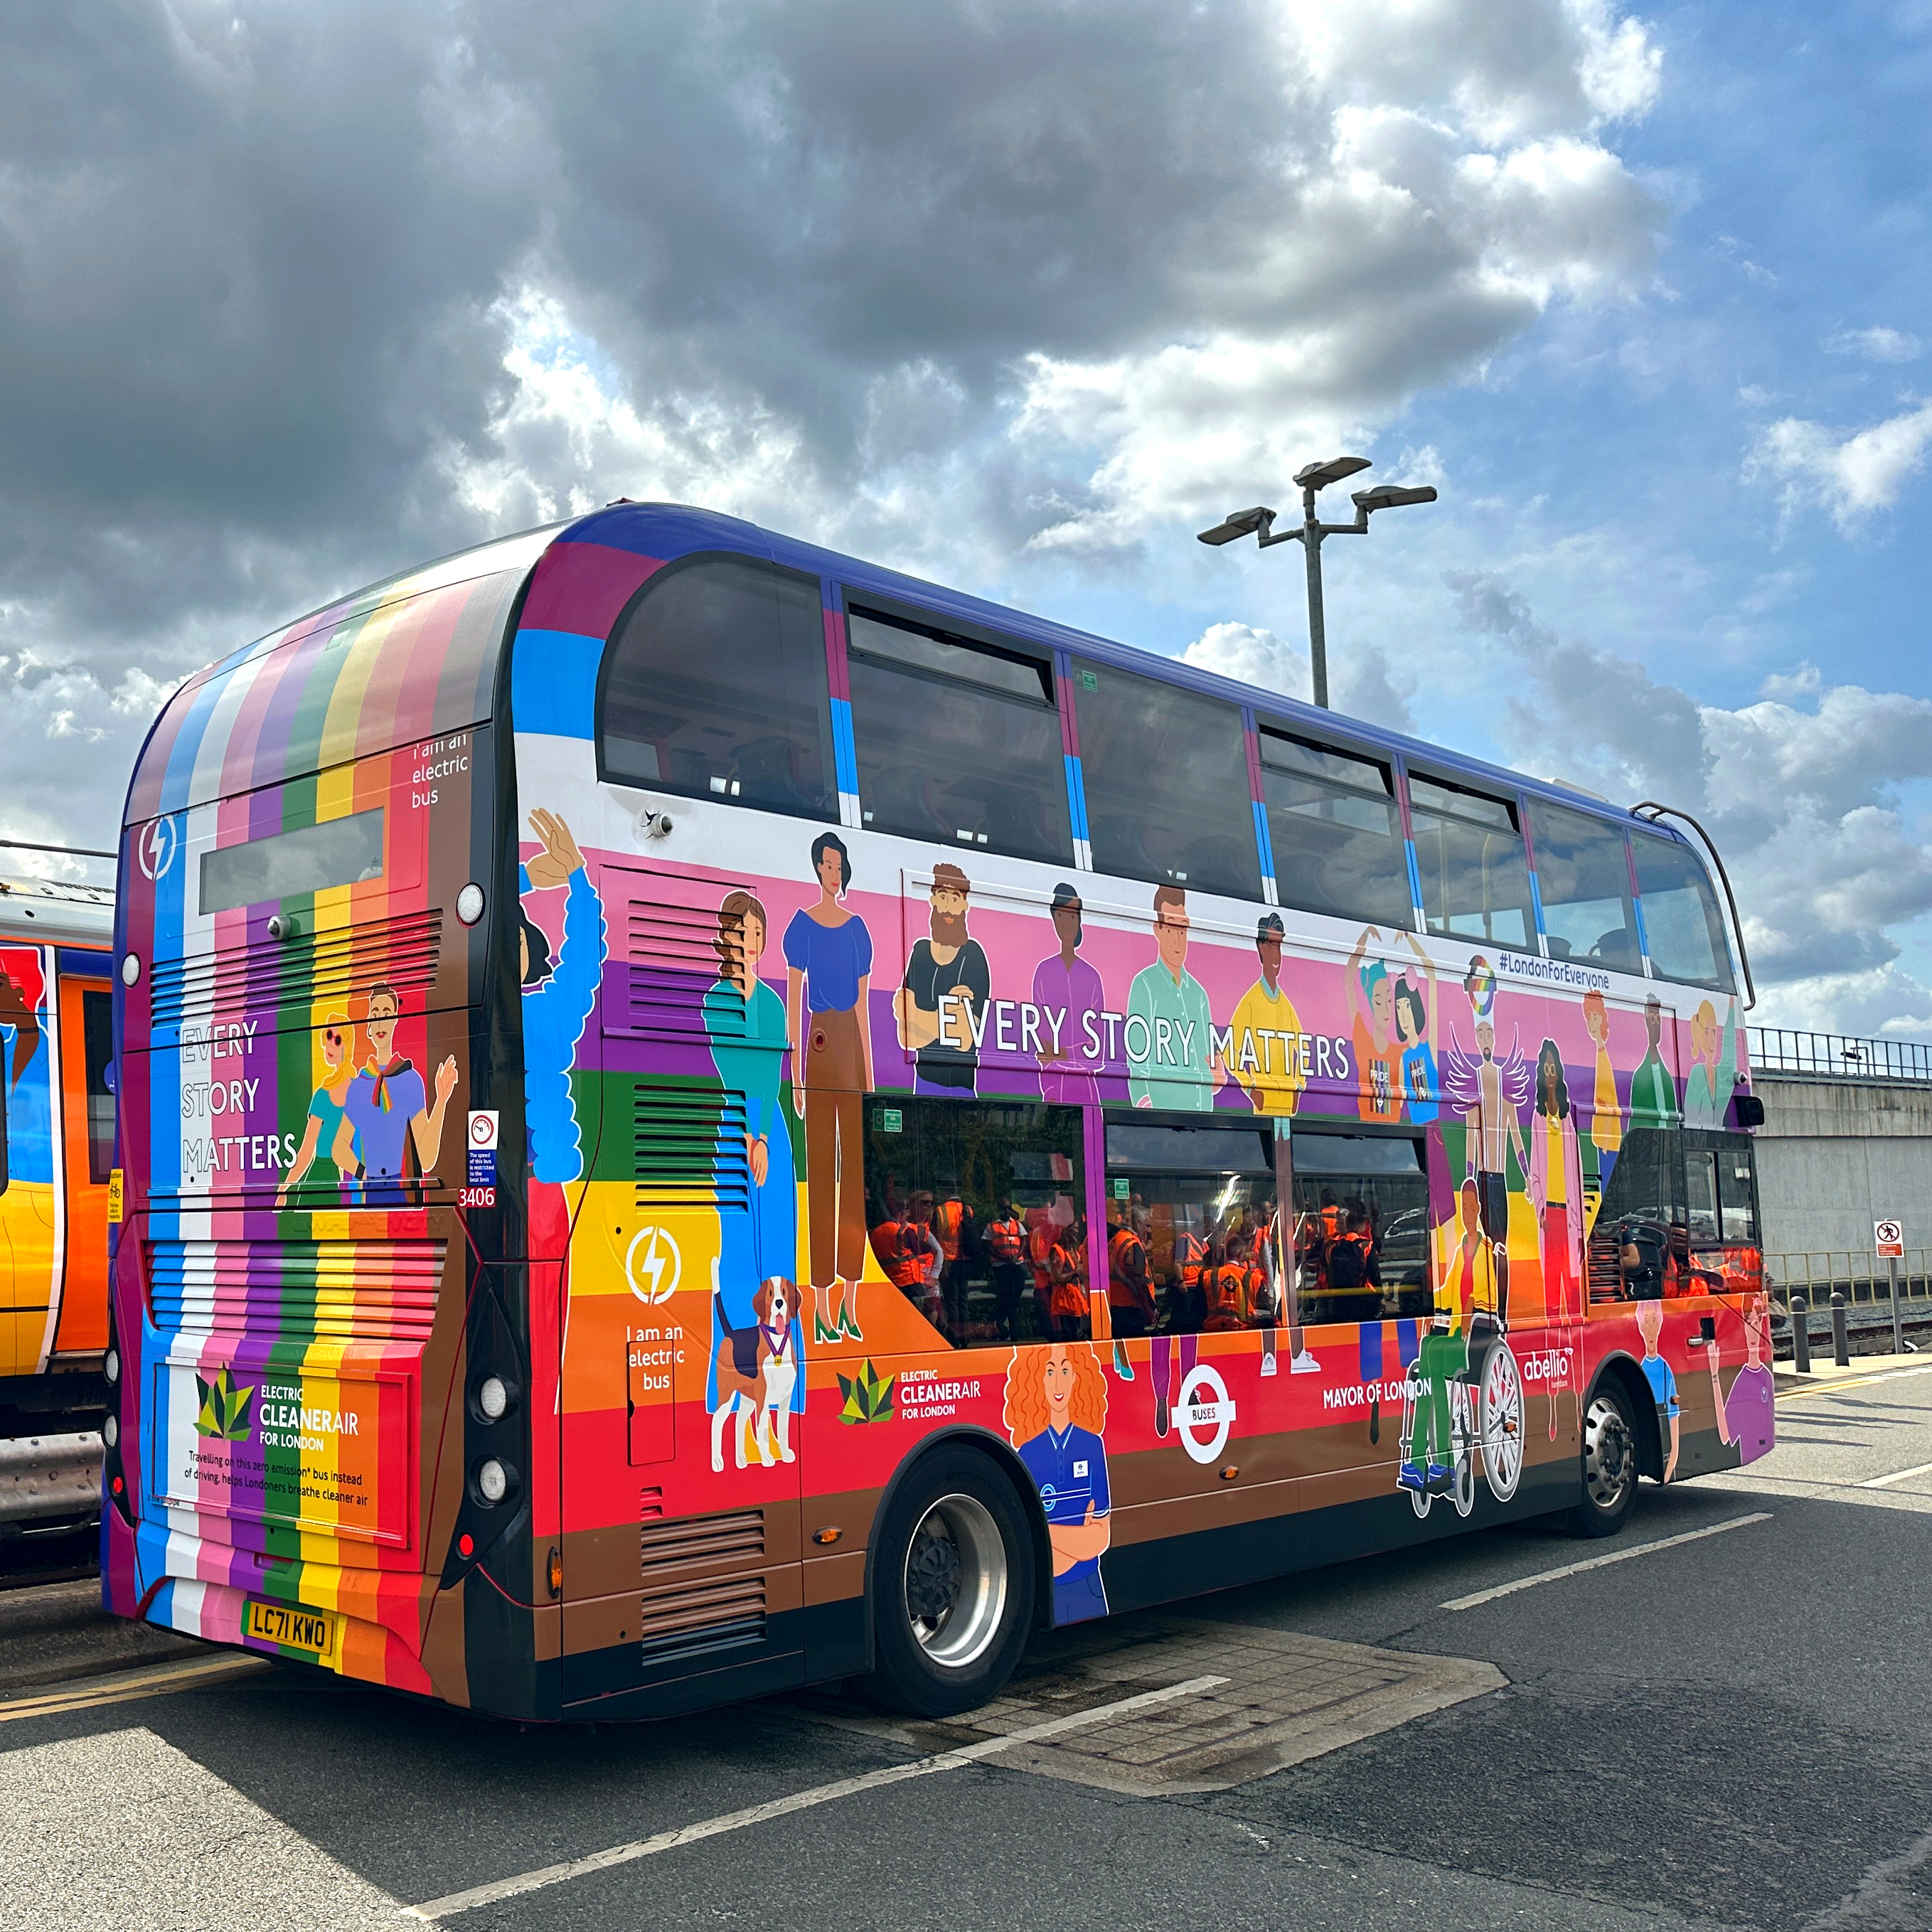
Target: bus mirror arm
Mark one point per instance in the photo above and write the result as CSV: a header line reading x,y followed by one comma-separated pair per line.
x,y
1650,811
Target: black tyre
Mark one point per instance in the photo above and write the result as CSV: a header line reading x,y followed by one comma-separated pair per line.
x,y
952,1587
1609,1465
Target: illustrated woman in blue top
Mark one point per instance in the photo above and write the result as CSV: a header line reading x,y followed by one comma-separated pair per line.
x,y
746,1022
1056,1411
828,977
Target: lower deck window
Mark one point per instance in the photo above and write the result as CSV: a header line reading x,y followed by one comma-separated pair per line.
x,y
975,1213
1361,1211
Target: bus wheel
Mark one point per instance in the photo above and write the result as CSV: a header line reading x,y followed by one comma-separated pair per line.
x,y
952,1587
1609,1465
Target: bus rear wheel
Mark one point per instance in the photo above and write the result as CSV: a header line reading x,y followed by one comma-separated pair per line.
x,y
952,1587
1609,1465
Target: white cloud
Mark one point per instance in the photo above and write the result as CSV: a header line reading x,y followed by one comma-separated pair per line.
x,y
1801,790
1878,344
1363,687
1849,475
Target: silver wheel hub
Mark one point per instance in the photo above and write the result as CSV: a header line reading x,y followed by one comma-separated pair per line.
x,y
956,1582
1609,1454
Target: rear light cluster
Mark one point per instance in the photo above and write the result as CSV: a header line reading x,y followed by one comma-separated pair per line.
x,y
113,1474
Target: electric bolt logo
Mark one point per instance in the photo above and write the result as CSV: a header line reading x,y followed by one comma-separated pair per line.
x,y
224,1409
652,1264
156,847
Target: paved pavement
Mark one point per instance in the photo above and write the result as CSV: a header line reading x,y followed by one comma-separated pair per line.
x,y
1717,1719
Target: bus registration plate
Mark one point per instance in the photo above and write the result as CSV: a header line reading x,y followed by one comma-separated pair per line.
x,y
297,1629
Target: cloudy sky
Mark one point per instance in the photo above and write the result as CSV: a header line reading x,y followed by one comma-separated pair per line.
x,y
1018,294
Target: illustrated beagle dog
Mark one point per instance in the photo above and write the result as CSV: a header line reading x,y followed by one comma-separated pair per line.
x,y
757,1371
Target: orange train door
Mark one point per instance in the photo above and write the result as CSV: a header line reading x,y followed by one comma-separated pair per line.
x,y
86,1114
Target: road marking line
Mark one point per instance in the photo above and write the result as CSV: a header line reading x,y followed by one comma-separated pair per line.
x,y
1897,1476
454,1902
127,1688
1469,1603
1837,1384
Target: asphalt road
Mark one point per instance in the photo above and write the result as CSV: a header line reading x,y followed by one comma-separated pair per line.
x,y
1726,1731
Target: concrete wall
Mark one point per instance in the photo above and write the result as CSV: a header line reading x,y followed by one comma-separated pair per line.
x,y
1835,1155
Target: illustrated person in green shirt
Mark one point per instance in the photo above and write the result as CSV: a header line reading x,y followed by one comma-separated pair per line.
x,y
1714,1071
1653,1101
1172,1063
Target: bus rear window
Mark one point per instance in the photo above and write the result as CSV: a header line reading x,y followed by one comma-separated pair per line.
x,y
715,686
292,865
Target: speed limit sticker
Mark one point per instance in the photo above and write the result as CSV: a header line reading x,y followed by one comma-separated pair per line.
x,y
482,1164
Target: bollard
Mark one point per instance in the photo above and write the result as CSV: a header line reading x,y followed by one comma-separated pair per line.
x,y
1897,1327
1841,1345
1800,1334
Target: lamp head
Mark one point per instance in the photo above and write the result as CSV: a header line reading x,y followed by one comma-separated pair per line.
x,y
1319,476
1391,497
1239,523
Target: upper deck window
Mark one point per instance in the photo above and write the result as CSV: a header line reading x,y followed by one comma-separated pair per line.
x,y
292,865
1583,877
1681,918
1337,835
958,739
714,686
1166,775
1475,880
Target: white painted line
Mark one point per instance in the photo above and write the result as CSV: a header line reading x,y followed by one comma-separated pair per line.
x,y
1469,1603
1897,1476
454,1902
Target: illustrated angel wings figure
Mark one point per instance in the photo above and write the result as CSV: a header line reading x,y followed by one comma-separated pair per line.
x,y
1490,1094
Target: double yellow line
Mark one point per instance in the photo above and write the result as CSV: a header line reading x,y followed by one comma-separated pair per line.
x,y
126,1687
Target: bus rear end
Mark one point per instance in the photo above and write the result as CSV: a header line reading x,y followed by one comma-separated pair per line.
x,y
302,1457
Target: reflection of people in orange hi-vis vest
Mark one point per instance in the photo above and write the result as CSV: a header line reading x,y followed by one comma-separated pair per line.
x,y
1006,1242
1226,1282
1190,1251
1067,1276
1129,1296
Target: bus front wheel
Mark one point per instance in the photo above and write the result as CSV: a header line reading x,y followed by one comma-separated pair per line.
x,y
952,1587
1609,1465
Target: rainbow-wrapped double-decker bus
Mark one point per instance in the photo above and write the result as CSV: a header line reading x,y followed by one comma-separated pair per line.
x,y
700,1116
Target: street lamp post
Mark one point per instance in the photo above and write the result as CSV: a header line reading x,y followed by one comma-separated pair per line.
x,y
1259,523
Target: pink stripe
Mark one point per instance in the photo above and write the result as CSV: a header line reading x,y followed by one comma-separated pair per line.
x,y
1070,724
835,655
583,587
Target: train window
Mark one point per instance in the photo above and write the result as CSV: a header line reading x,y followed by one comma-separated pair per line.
x,y
714,686
958,740
1583,874
96,1023
1166,777
1475,880
1681,918
975,1214
6,1081
293,864
1337,835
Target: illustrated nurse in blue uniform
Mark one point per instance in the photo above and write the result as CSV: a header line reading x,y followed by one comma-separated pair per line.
x,y
1056,1411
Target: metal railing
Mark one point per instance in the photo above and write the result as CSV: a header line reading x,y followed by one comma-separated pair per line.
x,y
1788,1050
1863,1281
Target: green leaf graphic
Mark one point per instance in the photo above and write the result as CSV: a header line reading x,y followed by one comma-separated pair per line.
x,y
869,1397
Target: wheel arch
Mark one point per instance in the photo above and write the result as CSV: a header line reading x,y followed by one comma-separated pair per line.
x,y
1621,1369
999,1453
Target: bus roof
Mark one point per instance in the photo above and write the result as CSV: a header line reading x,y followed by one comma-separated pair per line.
x,y
292,703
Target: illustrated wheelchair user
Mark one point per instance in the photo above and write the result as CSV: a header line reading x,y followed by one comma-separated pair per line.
x,y
1462,1400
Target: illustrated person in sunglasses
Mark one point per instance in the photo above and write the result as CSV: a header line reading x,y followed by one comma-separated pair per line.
x,y
326,1117
388,1125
